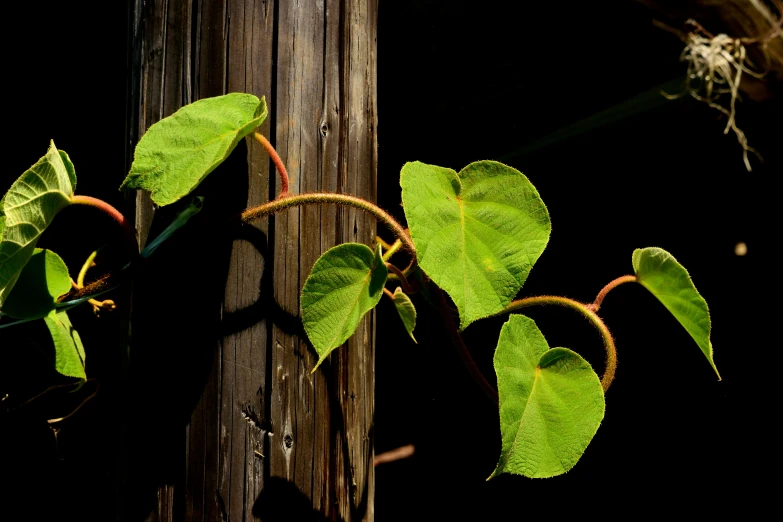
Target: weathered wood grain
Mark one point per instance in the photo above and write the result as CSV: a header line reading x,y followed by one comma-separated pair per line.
x,y
265,435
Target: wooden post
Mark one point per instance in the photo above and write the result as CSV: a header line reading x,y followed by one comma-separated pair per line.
x,y
259,436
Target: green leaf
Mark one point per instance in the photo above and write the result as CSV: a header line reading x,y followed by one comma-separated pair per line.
x,y
346,282
178,152
69,169
661,274
551,402
43,279
407,311
69,353
30,206
477,233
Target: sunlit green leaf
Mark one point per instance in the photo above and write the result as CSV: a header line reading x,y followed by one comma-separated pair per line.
x,y
551,402
30,206
43,279
346,282
407,311
661,274
477,233
69,354
178,152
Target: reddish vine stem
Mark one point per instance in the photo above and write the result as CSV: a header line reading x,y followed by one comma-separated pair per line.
x,y
404,280
116,215
596,305
296,200
111,280
277,161
462,350
589,314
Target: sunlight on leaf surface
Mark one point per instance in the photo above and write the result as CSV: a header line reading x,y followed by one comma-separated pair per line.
x,y
551,402
477,233
669,281
346,282
178,152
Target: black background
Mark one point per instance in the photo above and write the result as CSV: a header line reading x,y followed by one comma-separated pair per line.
x,y
463,82
458,82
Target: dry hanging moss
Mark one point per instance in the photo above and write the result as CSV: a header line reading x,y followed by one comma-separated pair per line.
x,y
716,64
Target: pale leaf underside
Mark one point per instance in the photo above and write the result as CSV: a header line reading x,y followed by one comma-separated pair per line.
x,y
29,207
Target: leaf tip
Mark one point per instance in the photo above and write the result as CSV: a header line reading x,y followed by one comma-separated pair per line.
x,y
320,360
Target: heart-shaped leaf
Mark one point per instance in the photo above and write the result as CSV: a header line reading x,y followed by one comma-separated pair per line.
x,y
346,282
43,279
477,233
178,152
29,207
661,274
68,348
407,311
551,402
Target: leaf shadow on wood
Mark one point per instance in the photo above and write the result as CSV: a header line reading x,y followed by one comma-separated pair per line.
x,y
176,329
273,504
265,307
179,320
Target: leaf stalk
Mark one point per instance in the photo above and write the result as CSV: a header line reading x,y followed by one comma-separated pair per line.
x,y
596,305
296,200
277,161
588,313
406,286
116,215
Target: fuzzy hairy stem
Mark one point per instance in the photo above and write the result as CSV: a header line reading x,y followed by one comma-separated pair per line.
x,y
596,305
114,279
102,285
336,199
260,138
116,215
588,313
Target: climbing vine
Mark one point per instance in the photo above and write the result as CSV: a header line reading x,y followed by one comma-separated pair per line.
x,y
471,241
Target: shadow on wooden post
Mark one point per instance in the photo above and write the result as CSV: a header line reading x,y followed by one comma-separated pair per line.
x,y
228,420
